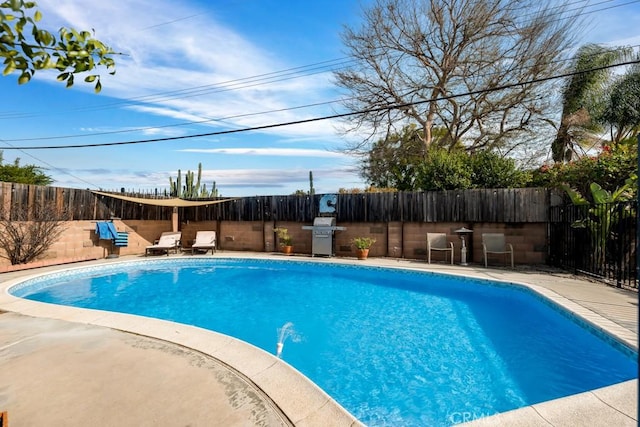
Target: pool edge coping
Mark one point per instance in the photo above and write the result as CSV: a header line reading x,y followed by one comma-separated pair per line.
x,y
310,405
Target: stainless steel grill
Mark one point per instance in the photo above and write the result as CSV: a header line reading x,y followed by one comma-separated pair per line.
x,y
323,229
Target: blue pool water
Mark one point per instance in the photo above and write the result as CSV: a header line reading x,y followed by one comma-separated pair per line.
x,y
393,347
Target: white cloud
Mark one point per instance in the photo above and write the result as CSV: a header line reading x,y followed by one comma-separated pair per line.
x,y
197,67
154,131
288,152
236,182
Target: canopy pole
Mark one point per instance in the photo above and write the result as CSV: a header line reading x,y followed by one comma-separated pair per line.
x,y
174,219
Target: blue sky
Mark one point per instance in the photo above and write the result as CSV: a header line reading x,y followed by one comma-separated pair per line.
x,y
194,67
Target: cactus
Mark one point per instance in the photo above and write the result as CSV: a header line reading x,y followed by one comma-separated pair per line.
x,y
188,185
198,182
175,188
191,189
312,191
179,184
206,193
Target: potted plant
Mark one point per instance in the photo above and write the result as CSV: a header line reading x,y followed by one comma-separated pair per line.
x,y
362,245
285,240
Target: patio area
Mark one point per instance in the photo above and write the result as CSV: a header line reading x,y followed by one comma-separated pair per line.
x,y
76,367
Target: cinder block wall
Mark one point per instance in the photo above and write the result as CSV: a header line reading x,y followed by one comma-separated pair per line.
x,y
241,236
189,230
529,241
141,234
409,240
80,242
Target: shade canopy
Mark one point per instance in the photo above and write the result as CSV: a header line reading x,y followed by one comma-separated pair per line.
x,y
173,202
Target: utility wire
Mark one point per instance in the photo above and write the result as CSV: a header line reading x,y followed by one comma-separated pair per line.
x,y
333,116
267,78
218,119
235,84
251,81
49,164
278,76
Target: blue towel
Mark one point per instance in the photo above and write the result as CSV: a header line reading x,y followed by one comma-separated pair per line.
x,y
112,230
103,231
106,230
122,239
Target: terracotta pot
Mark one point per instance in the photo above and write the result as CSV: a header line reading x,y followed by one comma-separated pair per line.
x,y
287,250
362,253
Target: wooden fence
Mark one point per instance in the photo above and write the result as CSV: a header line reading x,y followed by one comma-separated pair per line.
x,y
523,205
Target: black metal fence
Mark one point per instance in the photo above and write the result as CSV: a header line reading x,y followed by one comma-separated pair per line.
x,y
598,240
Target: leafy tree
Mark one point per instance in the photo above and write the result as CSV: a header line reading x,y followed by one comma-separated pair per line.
x,y
393,161
27,174
444,170
491,170
27,48
622,112
583,99
417,54
400,162
369,189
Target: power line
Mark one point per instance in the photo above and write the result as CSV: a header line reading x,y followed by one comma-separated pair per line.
x,y
277,76
170,22
221,119
341,62
333,116
49,164
258,80
235,84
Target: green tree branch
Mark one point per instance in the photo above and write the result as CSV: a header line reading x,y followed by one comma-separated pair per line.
x,y
26,48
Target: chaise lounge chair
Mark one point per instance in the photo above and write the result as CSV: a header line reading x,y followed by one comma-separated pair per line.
x,y
438,242
494,243
168,241
205,241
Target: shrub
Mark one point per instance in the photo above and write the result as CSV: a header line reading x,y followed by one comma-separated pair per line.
x,y
25,235
491,170
610,168
443,170
457,170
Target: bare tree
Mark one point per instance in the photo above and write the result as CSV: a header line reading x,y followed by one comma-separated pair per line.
x,y
421,54
27,234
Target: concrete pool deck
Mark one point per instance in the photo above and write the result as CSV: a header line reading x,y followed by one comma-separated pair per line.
x,y
77,367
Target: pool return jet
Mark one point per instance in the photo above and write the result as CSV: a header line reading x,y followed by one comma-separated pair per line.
x,y
285,332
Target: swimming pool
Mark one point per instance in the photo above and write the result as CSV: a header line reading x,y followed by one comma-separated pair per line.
x,y
393,347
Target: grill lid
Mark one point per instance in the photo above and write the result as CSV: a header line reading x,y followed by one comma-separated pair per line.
x,y
324,221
